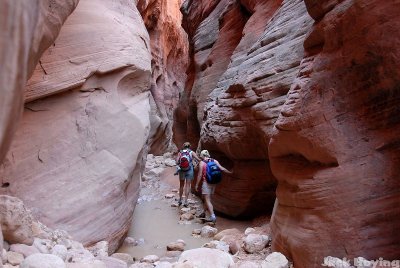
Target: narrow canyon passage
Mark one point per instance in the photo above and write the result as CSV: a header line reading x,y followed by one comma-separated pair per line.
x,y
298,99
159,221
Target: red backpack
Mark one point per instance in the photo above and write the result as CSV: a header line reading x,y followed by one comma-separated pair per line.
x,y
185,159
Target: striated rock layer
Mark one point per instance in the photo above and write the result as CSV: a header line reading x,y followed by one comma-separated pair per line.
x,y
169,49
77,156
335,147
246,55
28,28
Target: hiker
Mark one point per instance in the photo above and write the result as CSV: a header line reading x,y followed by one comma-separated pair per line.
x,y
210,173
185,168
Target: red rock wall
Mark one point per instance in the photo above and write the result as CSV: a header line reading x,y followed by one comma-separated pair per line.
x,y
335,147
246,55
76,158
28,28
310,104
169,49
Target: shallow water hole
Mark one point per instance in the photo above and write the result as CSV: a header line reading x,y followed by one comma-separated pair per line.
x,y
156,223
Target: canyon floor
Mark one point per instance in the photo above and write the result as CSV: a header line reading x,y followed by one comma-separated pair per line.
x,y
159,222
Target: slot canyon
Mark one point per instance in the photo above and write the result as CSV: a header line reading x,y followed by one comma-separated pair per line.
x,y
299,99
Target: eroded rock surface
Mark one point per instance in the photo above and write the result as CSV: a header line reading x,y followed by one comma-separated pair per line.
x,y
335,146
28,28
77,156
246,55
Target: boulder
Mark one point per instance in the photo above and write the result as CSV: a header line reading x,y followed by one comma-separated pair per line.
x,y
176,246
150,259
60,251
217,245
40,260
92,264
24,249
124,257
254,243
226,232
208,231
130,241
163,264
111,262
15,220
205,258
275,260
14,258
188,216
99,249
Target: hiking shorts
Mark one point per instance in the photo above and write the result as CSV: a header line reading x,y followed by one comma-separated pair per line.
x,y
186,175
207,188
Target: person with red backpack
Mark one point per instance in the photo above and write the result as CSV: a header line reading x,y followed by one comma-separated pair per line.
x,y
185,170
210,173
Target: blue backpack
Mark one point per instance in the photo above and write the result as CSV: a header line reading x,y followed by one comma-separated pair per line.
x,y
213,172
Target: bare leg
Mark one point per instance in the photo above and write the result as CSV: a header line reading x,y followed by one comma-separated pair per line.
x,y
181,184
207,204
188,186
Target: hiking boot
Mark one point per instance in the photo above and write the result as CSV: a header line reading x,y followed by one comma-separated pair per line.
x,y
185,204
179,203
213,218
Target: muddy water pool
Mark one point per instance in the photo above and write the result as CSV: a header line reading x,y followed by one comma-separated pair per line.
x,y
156,223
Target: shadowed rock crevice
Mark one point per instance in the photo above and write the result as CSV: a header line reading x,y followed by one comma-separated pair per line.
x,y
169,49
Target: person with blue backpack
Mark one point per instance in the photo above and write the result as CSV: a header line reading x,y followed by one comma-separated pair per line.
x,y
185,169
210,173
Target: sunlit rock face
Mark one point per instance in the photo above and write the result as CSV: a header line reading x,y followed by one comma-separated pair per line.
x,y
27,29
246,55
335,146
77,155
169,49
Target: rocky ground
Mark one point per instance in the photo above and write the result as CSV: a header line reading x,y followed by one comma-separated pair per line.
x,y
228,247
30,244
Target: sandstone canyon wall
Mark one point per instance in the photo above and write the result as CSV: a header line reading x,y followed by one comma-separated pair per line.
x,y
77,155
169,49
303,95
28,28
335,147
245,55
